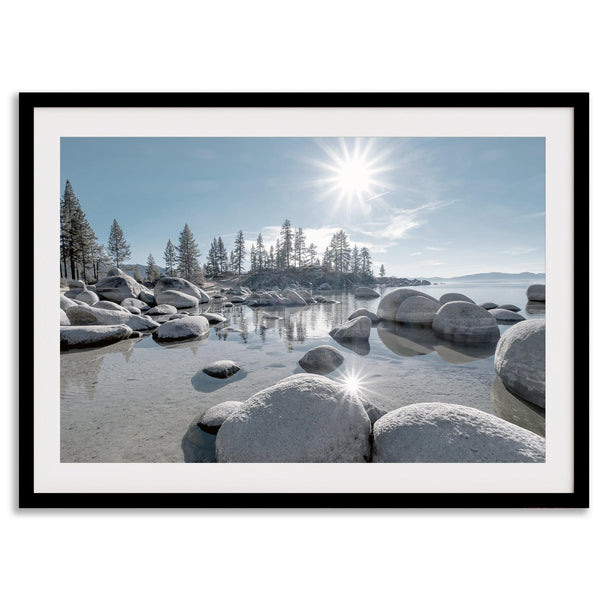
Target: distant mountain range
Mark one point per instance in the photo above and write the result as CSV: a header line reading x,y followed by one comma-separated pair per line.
x,y
493,276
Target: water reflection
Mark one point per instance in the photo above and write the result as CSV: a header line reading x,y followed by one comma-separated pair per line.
x,y
405,340
458,354
197,445
360,347
517,411
535,308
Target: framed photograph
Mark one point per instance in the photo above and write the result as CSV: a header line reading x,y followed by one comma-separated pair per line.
x,y
304,300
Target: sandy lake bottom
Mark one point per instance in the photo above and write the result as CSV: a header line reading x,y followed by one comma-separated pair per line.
x,y
133,401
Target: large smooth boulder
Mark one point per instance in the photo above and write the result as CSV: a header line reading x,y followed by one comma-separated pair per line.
x,y
355,329
302,419
182,329
117,286
147,296
520,360
434,432
295,297
363,312
64,320
90,315
87,336
66,302
214,318
76,284
465,323
215,416
221,369
178,284
162,309
88,297
321,360
365,292
390,303
536,292
506,316
136,303
454,297
417,310
108,305
176,299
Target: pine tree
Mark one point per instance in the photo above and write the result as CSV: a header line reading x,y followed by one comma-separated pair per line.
x,y
152,271
382,271
340,250
118,248
253,266
286,244
188,255
239,253
137,274
170,257
299,248
272,262
312,255
327,262
222,254
261,255
366,266
355,261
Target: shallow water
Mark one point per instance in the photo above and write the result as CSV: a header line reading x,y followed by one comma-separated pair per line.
x,y
133,401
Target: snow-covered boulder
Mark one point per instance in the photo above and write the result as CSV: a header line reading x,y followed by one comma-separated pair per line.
x,y
520,360
92,335
321,360
216,415
434,432
304,418
90,315
465,323
182,329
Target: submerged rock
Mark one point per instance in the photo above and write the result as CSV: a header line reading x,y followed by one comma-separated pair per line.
x,y
365,292
215,416
87,336
465,323
434,432
304,418
536,293
488,305
222,369
321,360
520,360
515,410
197,445
506,316
182,329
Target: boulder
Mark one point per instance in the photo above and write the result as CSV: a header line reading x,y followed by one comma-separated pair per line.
x,y
520,360
363,312
197,445
64,320
108,305
295,297
434,432
355,329
178,284
324,287
465,323
66,302
227,304
454,297
321,360
536,292
323,300
515,410
417,310
505,316
76,284
182,329
88,297
214,318
221,369
215,416
509,307
162,309
535,308
488,305
136,302
134,310
117,286
238,299
176,299
365,292
375,412
389,304
90,315
302,419
92,335
147,296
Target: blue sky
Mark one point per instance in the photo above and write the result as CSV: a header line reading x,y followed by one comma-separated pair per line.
x,y
423,206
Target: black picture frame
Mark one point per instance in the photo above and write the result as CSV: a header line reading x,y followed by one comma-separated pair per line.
x,y
579,498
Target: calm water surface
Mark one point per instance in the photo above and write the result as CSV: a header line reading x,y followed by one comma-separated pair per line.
x,y
133,401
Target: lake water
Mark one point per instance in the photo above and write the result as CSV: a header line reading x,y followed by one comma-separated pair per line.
x,y
133,401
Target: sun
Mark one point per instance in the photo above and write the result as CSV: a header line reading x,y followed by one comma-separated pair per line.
x,y
352,173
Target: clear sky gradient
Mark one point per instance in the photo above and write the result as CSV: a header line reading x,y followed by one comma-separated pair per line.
x,y
424,206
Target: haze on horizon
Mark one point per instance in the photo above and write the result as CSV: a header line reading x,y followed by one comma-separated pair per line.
x,y
424,207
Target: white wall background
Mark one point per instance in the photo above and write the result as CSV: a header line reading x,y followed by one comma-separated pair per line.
x,y
272,46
